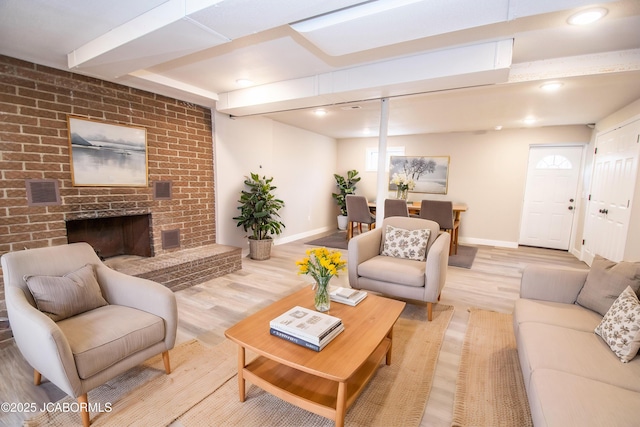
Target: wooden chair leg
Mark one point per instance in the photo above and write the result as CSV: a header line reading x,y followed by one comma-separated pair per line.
x,y
84,410
37,377
167,364
349,230
429,311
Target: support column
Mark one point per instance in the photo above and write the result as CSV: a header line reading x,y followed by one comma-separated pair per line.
x,y
383,185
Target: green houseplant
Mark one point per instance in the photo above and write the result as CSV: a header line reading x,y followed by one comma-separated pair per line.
x,y
259,215
346,185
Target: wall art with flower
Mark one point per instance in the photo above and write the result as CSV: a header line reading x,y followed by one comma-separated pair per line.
x,y
424,174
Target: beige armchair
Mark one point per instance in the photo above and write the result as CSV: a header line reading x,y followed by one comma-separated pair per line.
x,y
79,338
420,280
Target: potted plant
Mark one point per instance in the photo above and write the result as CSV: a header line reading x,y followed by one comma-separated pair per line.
x,y
346,186
259,214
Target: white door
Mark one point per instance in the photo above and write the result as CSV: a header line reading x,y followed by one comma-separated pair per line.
x,y
612,189
550,195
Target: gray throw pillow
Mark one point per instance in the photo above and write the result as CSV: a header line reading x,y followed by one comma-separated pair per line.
x,y
63,297
606,281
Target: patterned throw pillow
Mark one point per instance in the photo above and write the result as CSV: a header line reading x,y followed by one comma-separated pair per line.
x,y
620,327
409,244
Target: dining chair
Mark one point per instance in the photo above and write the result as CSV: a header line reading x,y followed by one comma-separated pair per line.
x,y
395,207
358,213
441,211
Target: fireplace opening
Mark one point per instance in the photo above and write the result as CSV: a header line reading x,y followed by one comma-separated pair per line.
x,y
113,236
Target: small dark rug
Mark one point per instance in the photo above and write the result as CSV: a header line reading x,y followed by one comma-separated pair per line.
x,y
464,258
336,240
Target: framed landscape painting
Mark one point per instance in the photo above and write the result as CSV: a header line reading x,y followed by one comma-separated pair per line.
x,y
107,155
430,174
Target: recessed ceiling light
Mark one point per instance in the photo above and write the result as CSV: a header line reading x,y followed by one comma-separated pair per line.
x,y
320,112
499,127
551,86
587,16
529,120
244,82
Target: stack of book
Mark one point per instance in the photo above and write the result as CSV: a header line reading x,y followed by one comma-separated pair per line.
x,y
308,328
347,296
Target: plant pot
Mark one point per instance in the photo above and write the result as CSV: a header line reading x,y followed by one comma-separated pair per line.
x,y
342,222
260,249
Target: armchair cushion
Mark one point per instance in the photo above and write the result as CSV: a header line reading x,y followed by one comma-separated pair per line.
x,y
61,297
402,243
388,269
102,337
606,281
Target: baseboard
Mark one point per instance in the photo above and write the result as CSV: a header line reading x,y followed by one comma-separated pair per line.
x,y
486,242
298,236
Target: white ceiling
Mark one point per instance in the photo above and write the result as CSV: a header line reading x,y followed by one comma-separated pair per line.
x,y
446,65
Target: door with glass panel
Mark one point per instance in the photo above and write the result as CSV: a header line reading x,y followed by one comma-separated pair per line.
x,y
550,196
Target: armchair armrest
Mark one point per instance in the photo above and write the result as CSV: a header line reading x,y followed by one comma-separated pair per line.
x,y
436,270
41,341
143,294
361,248
552,284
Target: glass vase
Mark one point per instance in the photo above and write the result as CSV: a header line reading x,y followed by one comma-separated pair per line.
x,y
402,193
321,299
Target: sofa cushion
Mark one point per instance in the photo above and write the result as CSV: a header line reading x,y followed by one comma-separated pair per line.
x,y
61,297
555,313
389,269
562,399
409,244
606,281
575,352
102,337
620,327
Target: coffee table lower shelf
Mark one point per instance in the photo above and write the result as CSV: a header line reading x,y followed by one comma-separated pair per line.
x,y
323,396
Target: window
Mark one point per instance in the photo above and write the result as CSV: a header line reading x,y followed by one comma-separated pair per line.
x,y
371,161
554,162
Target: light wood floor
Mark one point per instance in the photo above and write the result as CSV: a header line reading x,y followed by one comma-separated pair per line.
x,y
208,309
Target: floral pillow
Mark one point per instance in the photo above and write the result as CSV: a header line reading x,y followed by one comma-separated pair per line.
x,y
408,244
620,327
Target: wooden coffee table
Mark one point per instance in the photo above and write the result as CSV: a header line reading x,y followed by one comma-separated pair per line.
x,y
325,382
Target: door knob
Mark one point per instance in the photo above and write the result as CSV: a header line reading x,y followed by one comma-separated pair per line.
x,y
570,208
571,200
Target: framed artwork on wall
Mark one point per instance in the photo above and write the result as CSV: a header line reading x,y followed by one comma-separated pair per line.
x,y
429,174
107,155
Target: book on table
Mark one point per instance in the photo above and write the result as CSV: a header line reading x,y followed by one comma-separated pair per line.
x,y
347,295
297,340
308,325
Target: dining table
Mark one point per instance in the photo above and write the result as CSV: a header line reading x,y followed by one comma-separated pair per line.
x,y
414,208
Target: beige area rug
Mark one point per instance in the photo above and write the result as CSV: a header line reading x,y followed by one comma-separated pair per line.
x,y
490,388
203,387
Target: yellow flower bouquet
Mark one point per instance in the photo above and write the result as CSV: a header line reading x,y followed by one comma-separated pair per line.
x,y
321,264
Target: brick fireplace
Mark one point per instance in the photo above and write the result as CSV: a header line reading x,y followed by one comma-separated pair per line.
x,y
35,103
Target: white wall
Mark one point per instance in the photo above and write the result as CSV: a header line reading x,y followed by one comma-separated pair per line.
x,y
487,171
302,164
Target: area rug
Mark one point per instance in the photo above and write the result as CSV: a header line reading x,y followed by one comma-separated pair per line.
x,y
203,387
490,388
464,258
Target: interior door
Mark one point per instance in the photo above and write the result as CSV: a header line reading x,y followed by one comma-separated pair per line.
x,y
612,189
549,200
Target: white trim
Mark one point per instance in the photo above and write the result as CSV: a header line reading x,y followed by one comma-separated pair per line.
x,y
486,242
288,239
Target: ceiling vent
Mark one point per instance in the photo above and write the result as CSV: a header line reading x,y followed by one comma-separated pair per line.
x,y
42,192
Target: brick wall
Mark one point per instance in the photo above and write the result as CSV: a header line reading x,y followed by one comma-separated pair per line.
x,y
35,102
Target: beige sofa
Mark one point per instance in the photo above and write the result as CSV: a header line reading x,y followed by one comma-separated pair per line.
x,y
572,376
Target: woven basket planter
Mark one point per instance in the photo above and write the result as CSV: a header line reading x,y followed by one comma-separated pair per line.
x,y
260,249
